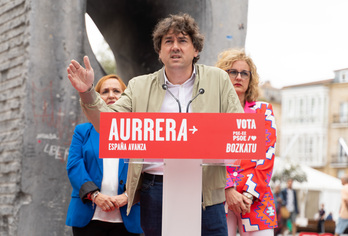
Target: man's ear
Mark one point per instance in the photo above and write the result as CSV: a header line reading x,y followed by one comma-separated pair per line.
x,y
196,52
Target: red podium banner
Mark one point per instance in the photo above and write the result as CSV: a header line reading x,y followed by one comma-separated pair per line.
x,y
182,135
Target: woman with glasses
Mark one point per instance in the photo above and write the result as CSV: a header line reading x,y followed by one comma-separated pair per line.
x,y
249,198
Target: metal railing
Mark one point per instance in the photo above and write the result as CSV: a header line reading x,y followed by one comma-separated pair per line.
x,y
339,161
339,119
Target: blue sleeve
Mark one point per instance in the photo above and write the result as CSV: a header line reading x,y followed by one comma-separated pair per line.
x,y
77,173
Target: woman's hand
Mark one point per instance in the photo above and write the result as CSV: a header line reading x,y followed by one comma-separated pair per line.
x,y
237,202
110,203
105,202
81,78
121,199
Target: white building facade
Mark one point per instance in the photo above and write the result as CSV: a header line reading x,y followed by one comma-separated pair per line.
x,y
304,137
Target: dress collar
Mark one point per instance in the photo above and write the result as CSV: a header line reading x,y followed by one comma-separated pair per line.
x,y
247,107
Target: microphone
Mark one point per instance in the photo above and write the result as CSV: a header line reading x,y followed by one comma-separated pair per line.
x,y
165,87
200,91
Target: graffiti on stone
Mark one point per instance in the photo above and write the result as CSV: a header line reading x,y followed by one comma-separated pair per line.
x,y
49,114
58,152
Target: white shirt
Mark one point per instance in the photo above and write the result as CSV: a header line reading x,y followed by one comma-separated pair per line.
x,y
183,92
109,187
290,201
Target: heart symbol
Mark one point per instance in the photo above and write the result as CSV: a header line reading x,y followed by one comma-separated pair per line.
x,y
253,138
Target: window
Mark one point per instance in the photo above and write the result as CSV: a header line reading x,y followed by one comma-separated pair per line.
x,y
341,155
342,150
344,112
310,146
313,110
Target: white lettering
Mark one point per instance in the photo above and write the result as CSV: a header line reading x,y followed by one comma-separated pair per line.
x,y
137,146
136,128
117,146
170,129
228,147
125,131
241,147
113,130
159,129
183,131
148,129
239,138
246,123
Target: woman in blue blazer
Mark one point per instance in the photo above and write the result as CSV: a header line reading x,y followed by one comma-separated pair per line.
x,y
99,200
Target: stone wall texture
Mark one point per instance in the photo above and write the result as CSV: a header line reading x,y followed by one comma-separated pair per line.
x,y
39,109
13,75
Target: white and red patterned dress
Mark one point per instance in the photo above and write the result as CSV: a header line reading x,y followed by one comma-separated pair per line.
x,y
254,176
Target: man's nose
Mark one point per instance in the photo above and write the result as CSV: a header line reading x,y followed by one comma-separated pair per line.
x,y
175,45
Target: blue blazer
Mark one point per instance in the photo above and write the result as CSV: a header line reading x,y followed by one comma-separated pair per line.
x,y
85,172
284,193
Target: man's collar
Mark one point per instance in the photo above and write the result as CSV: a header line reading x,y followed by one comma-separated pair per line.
x,y
193,76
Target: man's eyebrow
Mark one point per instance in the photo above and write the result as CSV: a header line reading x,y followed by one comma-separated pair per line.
x,y
183,36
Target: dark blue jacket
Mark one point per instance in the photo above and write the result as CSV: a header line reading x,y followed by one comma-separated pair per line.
x,y
285,198
85,172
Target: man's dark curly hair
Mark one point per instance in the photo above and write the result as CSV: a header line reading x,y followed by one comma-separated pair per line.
x,y
181,23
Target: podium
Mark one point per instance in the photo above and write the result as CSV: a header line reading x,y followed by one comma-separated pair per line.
x,y
182,197
185,142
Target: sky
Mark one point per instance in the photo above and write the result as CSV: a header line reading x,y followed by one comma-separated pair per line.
x,y
297,41
291,41
96,39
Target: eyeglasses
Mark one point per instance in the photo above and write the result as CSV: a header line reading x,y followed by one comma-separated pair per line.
x,y
244,74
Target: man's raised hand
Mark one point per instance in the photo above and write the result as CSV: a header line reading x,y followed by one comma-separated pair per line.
x,y
81,78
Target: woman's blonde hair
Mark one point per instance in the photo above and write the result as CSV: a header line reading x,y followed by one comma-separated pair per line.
x,y
225,62
111,76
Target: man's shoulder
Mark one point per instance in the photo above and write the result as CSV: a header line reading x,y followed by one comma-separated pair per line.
x,y
211,69
205,73
146,77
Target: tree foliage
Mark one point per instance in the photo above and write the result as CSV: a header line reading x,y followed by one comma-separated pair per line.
x,y
290,171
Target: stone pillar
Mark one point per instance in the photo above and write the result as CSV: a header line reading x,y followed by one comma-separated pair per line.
x,y
55,33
